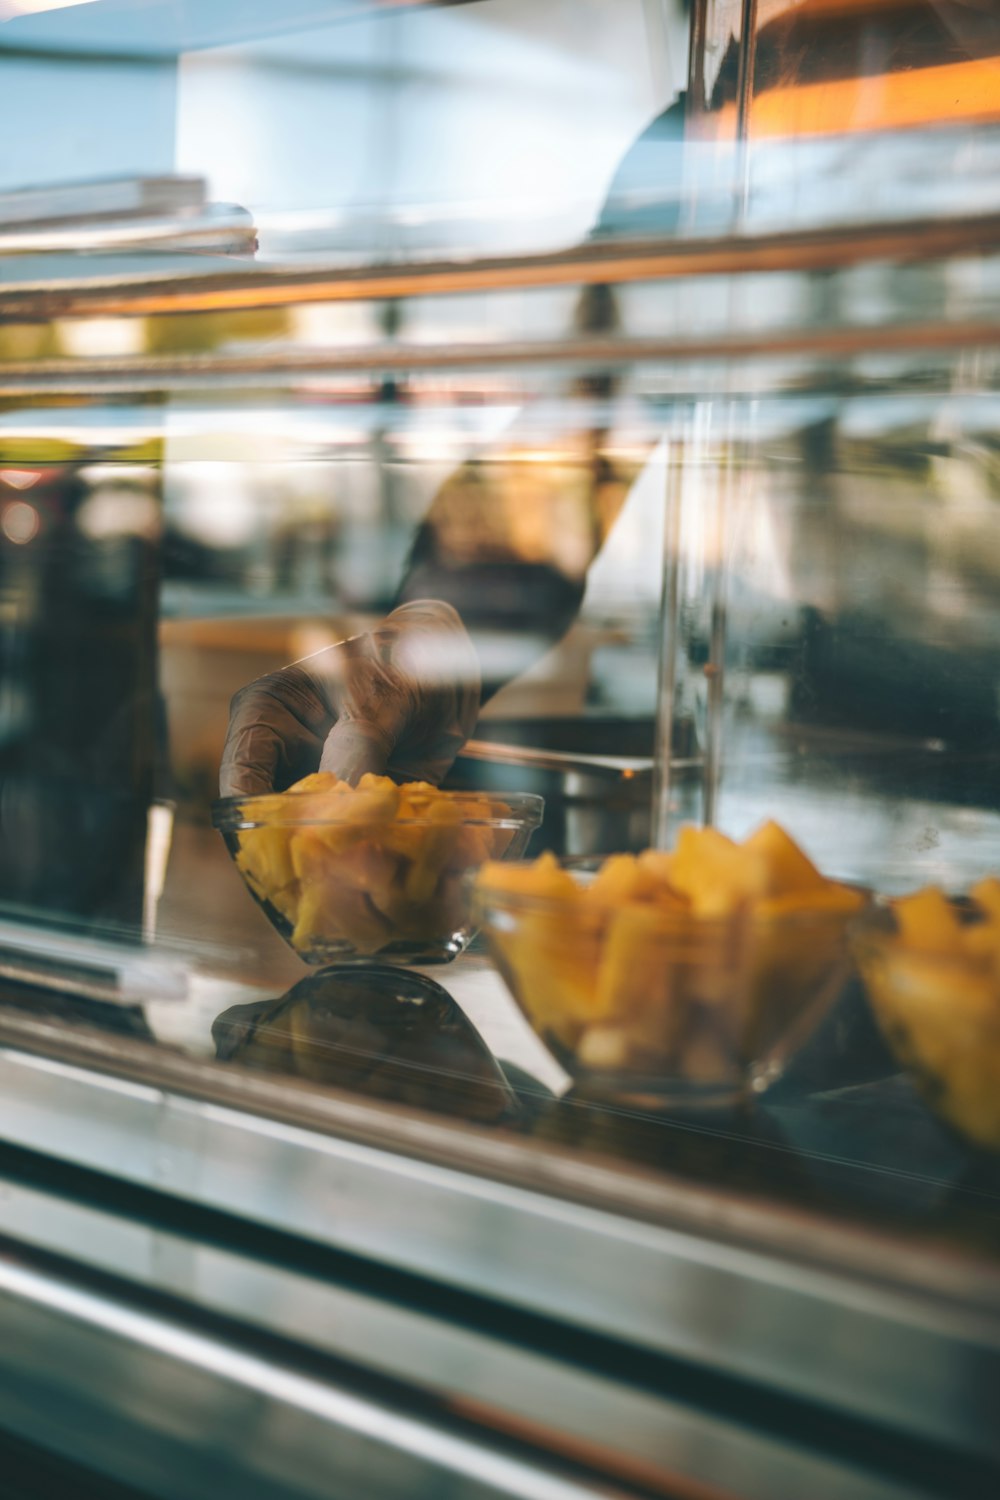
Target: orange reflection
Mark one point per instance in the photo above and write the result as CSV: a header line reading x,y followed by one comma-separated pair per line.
x,y
885,101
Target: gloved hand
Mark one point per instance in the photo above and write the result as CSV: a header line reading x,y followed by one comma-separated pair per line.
x,y
400,701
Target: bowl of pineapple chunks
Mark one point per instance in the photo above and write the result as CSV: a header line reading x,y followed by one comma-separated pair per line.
x,y
931,967
687,977
346,873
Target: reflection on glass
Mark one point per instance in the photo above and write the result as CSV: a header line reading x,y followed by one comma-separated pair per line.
x,y
80,727
848,111
199,495
383,1033
366,130
834,636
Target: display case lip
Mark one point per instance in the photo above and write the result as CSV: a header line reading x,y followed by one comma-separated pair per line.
x,y
109,285
750,1289
246,371
959,1284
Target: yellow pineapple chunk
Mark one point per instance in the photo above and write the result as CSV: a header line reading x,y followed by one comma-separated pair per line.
x,y
265,858
716,875
928,920
544,879
616,880
987,895
787,868
634,964
414,797
330,911
657,865
981,941
831,899
336,902
318,781
371,781
375,799
623,878
431,860
943,1022
797,952
550,960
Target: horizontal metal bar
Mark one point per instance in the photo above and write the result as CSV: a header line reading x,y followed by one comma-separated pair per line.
x,y
913,1362
182,233
607,768
145,374
105,1066
39,292
188,1415
72,963
626,1429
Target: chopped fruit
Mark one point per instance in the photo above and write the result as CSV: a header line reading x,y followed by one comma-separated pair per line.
x,y
266,860
934,985
373,803
928,920
942,1019
656,864
351,870
987,895
715,874
639,975
799,939
834,899
554,966
545,879
617,879
319,781
787,869
625,878
331,909
688,964
981,943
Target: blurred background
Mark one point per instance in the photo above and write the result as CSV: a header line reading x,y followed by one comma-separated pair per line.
x,y
248,473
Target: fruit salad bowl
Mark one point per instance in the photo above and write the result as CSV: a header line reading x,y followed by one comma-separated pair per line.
x,y
347,874
688,978
931,968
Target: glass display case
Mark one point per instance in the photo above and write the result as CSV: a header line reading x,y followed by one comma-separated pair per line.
x,y
689,431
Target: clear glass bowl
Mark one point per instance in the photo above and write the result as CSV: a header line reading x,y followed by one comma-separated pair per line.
x,y
939,1012
635,1000
343,888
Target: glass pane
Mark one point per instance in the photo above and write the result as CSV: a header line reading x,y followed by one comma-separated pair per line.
x,y
366,130
222,477
839,112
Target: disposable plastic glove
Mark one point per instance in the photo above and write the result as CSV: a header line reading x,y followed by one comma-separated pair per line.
x,y
401,700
